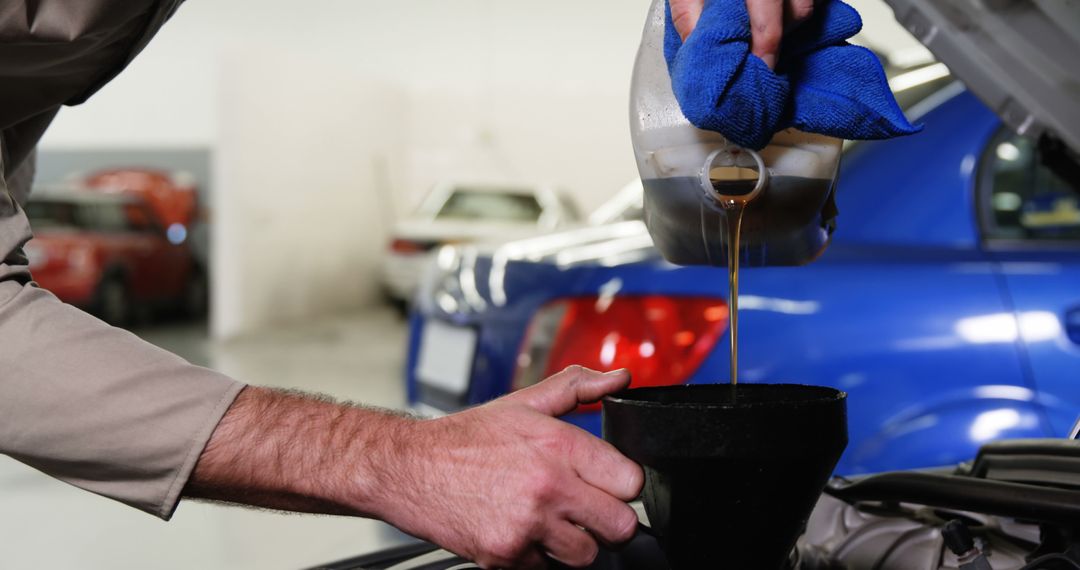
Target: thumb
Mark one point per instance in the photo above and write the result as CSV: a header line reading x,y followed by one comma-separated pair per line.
x,y
561,393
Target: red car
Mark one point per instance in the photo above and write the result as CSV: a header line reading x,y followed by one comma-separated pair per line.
x,y
109,253
172,196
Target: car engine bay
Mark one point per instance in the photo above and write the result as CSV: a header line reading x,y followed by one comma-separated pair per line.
x,y
1016,507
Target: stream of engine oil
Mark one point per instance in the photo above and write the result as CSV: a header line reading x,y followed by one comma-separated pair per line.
x,y
737,195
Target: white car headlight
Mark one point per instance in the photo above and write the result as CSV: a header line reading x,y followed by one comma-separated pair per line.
x,y
440,290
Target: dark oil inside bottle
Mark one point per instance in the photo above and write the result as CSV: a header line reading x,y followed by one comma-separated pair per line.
x,y
788,224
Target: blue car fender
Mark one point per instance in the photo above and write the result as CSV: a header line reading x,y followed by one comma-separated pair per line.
x,y
974,417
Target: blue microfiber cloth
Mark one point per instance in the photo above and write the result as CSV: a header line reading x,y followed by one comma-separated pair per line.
x,y
821,84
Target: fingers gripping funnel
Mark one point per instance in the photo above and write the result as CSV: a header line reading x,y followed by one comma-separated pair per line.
x,y
731,472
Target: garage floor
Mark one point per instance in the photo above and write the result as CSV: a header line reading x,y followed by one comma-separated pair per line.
x,y
47,524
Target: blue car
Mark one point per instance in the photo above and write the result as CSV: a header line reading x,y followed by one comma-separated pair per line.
x,y
947,305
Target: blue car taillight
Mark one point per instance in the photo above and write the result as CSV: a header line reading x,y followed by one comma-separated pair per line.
x,y
661,340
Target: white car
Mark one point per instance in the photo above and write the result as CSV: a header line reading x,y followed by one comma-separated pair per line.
x,y
465,213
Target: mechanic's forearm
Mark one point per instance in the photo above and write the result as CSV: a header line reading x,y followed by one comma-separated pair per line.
x,y
296,452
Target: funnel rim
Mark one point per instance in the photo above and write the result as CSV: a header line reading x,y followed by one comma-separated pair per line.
x,y
826,396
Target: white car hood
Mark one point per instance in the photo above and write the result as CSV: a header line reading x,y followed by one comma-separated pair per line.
x,y
606,244
451,231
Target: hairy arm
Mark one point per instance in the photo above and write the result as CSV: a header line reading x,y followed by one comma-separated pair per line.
x,y
504,484
296,452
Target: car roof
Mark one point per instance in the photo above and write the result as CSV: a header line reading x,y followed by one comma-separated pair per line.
x,y
922,181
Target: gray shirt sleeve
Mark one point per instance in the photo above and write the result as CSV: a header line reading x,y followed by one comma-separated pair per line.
x,y
87,403
94,405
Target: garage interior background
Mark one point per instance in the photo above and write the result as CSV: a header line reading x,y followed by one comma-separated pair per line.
x,y
324,123
310,130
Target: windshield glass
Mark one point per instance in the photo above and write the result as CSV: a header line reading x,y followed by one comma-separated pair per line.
x,y
466,204
45,214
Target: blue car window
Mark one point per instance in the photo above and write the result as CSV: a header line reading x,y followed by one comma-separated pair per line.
x,y
1023,199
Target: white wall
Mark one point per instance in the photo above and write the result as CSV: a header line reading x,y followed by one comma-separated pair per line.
x,y
458,60
302,171
473,89
883,33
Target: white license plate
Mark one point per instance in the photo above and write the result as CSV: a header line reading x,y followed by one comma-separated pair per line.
x,y
446,356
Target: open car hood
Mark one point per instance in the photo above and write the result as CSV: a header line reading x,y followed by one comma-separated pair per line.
x,y
1021,57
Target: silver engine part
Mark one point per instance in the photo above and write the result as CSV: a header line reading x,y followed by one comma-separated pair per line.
x,y
905,537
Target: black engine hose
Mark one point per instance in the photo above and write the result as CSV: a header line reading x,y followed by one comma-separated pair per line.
x,y
1052,562
1013,500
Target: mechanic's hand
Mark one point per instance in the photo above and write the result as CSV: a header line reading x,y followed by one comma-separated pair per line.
x,y
505,484
769,19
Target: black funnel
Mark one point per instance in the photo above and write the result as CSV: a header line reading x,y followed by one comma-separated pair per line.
x,y
731,472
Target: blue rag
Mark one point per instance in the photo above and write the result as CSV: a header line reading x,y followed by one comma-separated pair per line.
x,y
821,84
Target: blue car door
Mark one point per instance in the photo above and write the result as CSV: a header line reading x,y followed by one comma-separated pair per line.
x,y
1030,214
